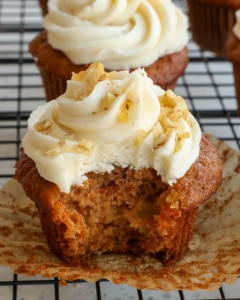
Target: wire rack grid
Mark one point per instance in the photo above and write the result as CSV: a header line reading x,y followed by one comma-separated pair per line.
x,y
208,87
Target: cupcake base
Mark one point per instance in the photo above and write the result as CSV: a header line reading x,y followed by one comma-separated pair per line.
x,y
44,6
125,211
236,75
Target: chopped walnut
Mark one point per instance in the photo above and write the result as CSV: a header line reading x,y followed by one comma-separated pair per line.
x,y
43,125
173,111
92,75
84,146
173,199
107,101
124,110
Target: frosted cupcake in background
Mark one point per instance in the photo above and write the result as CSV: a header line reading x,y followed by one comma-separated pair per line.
x,y
210,22
120,34
44,6
233,53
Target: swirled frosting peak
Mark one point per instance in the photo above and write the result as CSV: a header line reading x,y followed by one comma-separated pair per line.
x,y
121,34
111,119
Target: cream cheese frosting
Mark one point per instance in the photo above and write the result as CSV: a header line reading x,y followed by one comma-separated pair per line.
x,y
236,28
111,119
121,34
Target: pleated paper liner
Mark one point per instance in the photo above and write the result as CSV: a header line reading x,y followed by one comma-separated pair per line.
x,y
213,257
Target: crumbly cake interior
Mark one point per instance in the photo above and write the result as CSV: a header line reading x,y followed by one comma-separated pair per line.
x,y
125,211
114,211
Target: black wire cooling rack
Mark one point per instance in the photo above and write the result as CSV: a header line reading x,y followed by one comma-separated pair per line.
x,y
208,87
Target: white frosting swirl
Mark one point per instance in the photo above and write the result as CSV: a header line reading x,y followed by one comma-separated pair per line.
x,y
111,119
236,28
121,34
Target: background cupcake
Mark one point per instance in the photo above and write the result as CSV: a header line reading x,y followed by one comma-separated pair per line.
x,y
43,5
210,22
233,53
152,35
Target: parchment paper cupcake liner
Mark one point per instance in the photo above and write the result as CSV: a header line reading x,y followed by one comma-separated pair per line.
x,y
213,257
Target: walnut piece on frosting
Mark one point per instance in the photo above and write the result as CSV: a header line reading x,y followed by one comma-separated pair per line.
x,y
172,114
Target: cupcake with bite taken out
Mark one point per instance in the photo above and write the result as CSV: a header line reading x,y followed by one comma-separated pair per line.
x,y
117,165
120,34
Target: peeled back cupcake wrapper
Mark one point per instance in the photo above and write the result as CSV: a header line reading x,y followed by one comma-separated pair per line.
x,y
213,257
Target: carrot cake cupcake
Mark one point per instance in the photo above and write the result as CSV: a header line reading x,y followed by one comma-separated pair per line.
x,y
149,34
117,165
